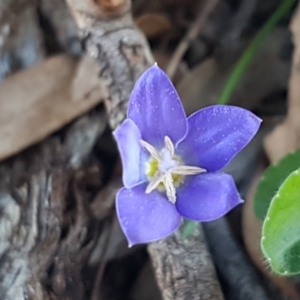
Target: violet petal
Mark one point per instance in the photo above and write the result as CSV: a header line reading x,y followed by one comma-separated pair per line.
x,y
145,217
132,153
216,134
156,109
207,196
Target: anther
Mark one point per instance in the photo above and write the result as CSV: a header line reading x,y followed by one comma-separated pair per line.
x,y
169,145
153,152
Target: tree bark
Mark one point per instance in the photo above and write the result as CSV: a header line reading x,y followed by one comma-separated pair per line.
x,y
184,269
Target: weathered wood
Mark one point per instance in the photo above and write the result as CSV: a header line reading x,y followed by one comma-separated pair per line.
x,y
21,40
119,48
36,188
183,267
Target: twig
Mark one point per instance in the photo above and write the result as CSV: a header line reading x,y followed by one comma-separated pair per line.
x,y
121,51
190,36
183,267
238,23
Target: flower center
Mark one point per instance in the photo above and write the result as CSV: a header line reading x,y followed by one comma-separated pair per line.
x,y
153,166
167,162
165,170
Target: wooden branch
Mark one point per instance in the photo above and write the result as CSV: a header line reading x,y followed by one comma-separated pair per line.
x,y
33,197
238,23
19,19
120,49
184,269
200,21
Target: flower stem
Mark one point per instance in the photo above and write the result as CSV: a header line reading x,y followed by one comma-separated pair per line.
x,y
188,228
250,51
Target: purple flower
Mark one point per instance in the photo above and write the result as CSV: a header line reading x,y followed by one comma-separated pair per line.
x,y
171,163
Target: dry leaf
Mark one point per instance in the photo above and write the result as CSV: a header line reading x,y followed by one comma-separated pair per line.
x,y
42,99
153,25
286,137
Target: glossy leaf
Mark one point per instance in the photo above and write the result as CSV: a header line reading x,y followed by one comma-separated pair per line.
x,y
281,229
271,180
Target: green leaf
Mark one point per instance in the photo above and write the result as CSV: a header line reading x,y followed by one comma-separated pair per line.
x,y
271,180
280,241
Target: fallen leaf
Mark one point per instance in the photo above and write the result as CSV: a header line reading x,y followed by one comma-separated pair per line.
x,y
40,100
286,138
153,24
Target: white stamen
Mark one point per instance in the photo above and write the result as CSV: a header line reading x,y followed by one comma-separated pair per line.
x,y
150,149
169,145
187,170
169,186
154,182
